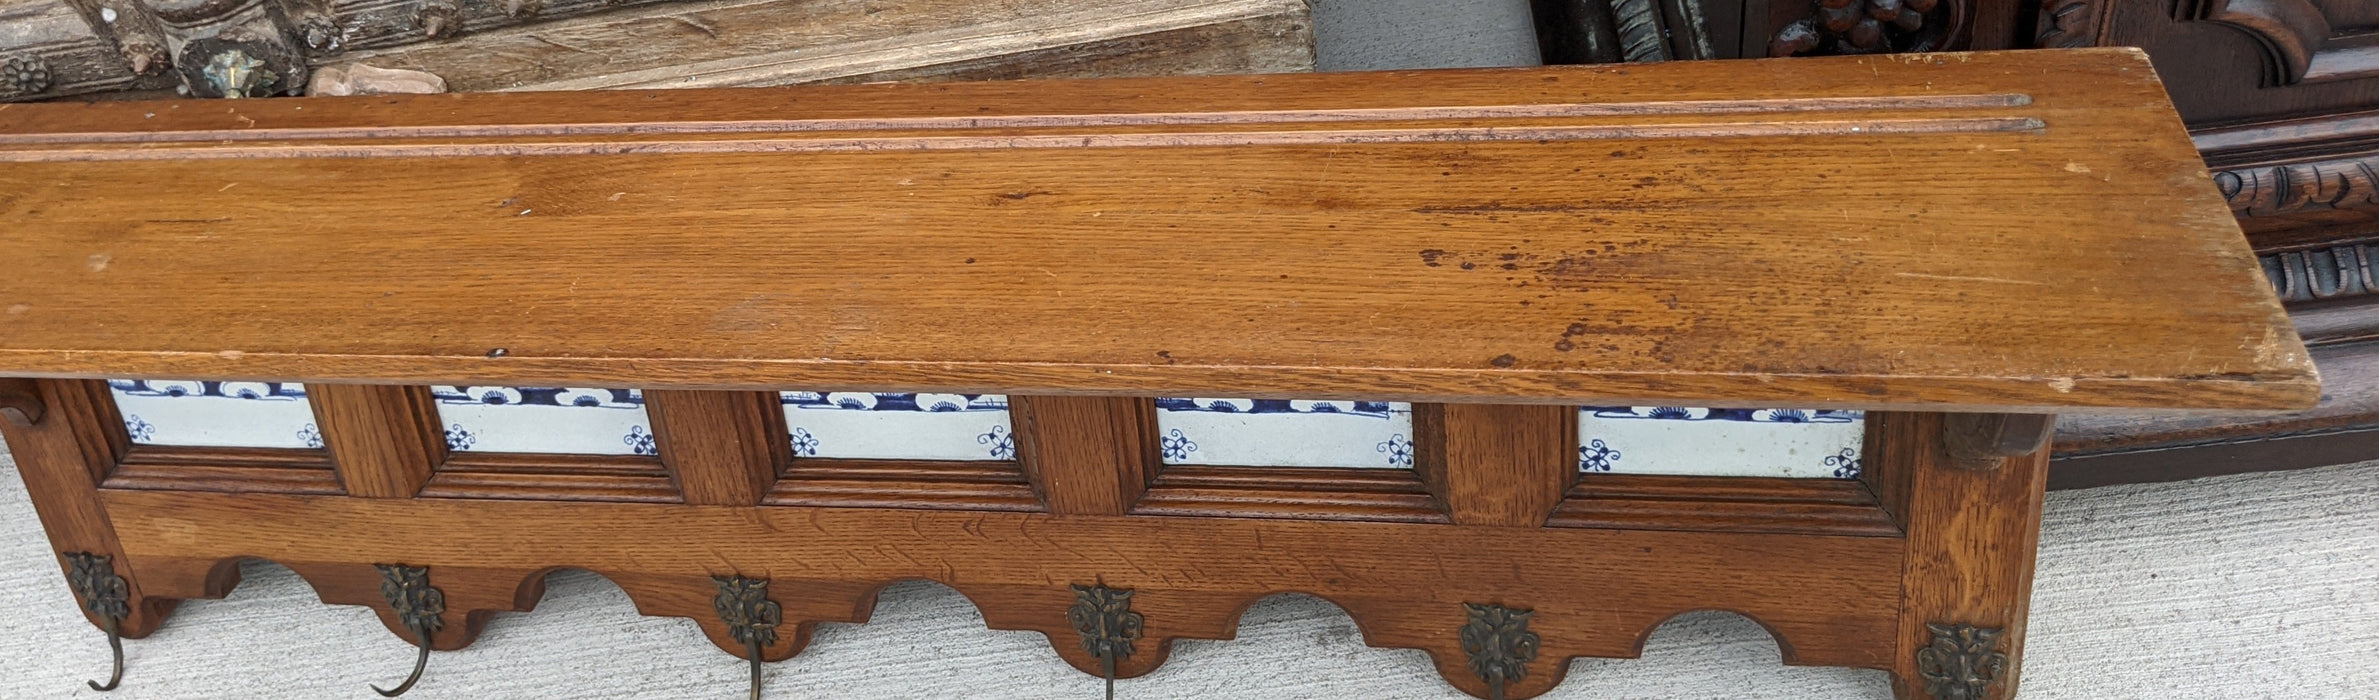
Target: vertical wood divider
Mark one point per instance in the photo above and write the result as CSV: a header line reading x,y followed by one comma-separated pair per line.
x,y
383,440
1492,464
62,458
1086,455
723,448
1972,538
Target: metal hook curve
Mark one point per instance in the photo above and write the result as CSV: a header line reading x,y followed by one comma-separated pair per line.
x,y
754,645
420,662
1107,669
115,644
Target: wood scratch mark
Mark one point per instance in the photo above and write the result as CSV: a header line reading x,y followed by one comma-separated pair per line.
x,y
1962,278
560,45
698,26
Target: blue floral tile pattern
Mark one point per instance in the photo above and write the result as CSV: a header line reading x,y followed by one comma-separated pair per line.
x,y
899,426
551,420
216,414
1774,442
1285,433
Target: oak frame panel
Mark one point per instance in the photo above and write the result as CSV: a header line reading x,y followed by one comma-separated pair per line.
x,y
1840,581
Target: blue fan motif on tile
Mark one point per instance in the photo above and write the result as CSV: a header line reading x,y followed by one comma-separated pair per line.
x,y
260,391
1746,415
926,403
1373,409
1846,464
640,442
460,439
1177,446
539,396
140,429
804,444
1002,444
1399,451
310,435
1594,456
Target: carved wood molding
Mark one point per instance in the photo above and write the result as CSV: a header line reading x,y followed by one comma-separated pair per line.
x,y
2275,190
216,48
2288,31
2330,272
1875,26
1613,31
2070,24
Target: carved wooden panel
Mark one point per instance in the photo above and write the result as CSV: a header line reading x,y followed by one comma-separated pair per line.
x,y
256,48
2230,62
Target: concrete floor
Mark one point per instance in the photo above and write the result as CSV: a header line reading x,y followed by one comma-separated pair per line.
x,y
2247,587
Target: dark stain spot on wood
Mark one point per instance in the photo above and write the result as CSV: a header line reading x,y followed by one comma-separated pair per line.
x,y
1467,265
1167,354
1564,345
1429,257
1574,329
1023,195
970,261
1504,360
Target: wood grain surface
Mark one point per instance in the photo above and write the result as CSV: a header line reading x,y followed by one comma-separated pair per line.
x,y
1546,235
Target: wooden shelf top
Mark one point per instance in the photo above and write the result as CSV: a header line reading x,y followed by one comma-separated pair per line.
x,y
2023,231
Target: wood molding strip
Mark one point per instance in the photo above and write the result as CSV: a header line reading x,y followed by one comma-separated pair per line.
x,y
1837,507
1303,493
1232,117
1847,128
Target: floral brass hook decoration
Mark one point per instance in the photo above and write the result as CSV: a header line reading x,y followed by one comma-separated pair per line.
x,y
1961,662
1499,644
750,616
94,580
1104,618
417,604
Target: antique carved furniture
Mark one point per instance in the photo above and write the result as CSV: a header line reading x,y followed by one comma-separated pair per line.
x,y
1435,346
258,48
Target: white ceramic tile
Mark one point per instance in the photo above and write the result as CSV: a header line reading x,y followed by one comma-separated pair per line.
x,y
1285,433
216,414
899,426
552,420
1720,442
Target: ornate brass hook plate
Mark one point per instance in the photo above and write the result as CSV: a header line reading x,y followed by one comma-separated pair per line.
x,y
94,580
750,616
1104,618
1499,644
420,606
1961,663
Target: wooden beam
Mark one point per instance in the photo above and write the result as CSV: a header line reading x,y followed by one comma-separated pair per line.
x,y
1086,455
383,440
724,448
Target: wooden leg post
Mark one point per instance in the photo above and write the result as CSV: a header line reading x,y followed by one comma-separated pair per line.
x,y
1973,531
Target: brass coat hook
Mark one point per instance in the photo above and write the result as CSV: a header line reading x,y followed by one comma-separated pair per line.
x,y
1104,618
1499,644
94,580
420,606
750,616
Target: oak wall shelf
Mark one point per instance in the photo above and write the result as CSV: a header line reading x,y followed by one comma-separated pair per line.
x,y
1469,255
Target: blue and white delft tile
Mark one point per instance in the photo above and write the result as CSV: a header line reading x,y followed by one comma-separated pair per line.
x,y
899,426
550,420
216,414
1773,442
1285,433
